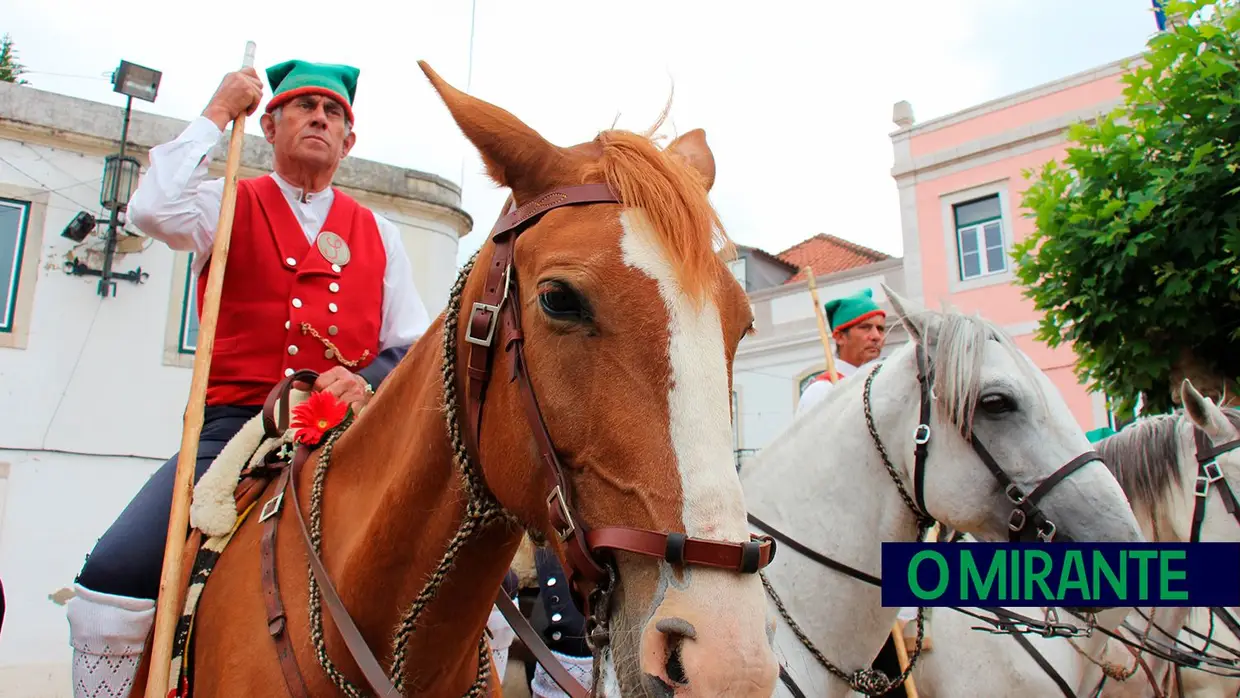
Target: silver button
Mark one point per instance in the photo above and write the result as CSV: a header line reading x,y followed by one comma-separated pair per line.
x,y
336,268
332,330
286,324
329,354
333,286
331,307
291,262
296,302
556,636
288,371
292,349
550,581
555,617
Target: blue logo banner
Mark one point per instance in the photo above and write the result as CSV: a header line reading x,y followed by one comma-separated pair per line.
x,y
1030,575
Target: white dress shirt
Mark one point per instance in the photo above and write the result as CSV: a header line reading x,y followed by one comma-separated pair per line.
x,y
816,391
176,204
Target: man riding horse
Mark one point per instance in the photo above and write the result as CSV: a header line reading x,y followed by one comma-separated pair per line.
x,y
315,281
859,327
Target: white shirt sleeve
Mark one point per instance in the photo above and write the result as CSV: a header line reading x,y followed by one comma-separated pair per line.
x,y
404,314
175,202
813,395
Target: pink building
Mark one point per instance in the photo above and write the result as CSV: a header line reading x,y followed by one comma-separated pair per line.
x,y
960,188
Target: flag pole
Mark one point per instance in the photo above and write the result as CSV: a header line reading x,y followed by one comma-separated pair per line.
x,y
171,586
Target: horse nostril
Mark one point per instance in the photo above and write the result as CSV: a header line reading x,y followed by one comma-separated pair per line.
x,y
677,626
677,631
675,668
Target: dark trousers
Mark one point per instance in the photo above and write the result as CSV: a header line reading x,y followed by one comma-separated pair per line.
x,y
128,559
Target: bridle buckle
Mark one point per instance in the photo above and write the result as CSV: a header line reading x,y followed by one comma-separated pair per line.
x,y
1014,494
493,322
921,435
1017,520
1048,533
556,499
1210,473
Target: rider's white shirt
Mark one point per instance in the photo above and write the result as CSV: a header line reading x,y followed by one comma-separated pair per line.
x,y
177,204
819,389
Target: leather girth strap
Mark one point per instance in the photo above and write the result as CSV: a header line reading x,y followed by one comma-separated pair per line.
x,y
287,489
277,624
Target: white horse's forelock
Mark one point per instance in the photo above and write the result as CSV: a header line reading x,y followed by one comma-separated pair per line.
x,y
955,349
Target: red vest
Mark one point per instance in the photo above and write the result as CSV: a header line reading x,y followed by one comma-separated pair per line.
x,y
276,281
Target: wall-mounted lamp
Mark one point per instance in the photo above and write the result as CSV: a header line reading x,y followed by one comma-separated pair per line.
x,y
120,179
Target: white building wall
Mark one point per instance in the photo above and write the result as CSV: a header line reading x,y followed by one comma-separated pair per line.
x,y
92,390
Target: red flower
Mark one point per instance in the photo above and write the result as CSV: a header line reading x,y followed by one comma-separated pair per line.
x,y
313,418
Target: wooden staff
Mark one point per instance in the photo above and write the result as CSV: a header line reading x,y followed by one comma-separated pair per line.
x,y
170,583
897,634
822,323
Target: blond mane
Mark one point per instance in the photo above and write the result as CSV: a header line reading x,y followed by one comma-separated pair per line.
x,y
674,199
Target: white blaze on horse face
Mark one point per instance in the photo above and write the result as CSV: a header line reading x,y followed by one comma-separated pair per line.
x,y
698,401
729,653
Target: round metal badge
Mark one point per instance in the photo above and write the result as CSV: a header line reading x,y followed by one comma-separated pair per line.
x,y
333,248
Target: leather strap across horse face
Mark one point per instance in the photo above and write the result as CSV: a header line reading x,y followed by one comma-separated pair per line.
x,y
497,316
1026,510
1209,472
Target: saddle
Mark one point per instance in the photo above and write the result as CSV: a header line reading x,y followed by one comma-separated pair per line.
x,y
217,495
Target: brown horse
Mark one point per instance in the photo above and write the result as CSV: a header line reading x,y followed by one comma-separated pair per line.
x,y
601,329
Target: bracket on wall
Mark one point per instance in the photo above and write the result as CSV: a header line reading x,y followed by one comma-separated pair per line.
x,y
76,268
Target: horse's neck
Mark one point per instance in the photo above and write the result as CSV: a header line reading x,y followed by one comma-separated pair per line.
x,y
823,484
393,499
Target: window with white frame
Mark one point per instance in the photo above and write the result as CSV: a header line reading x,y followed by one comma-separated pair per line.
x,y
187,337
14,220
979,237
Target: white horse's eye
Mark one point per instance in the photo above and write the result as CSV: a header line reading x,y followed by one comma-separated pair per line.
x,y
995,403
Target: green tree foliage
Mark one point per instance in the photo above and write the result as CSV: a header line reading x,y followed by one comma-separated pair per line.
x,y
1134,258
10,69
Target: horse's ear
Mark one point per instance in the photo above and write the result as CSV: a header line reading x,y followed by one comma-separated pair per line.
x,y
515,155
1204,412
693,149
913,321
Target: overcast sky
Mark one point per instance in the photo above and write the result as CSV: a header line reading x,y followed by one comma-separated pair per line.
x,y
795,97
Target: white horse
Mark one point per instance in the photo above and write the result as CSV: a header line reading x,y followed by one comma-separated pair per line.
x,y
844,477
1156,461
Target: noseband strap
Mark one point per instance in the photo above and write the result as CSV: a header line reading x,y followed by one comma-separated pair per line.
x,y
496,318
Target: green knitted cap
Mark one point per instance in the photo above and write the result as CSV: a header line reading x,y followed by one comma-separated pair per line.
x,y
296,77
845,312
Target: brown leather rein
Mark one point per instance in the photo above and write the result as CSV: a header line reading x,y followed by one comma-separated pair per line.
x,y
589,551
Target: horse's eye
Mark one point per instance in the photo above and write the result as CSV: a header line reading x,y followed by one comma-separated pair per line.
x,y
561,302
995,403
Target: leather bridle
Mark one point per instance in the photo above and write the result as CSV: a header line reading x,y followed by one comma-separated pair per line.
x,y
1209,472
495,319
1027,522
